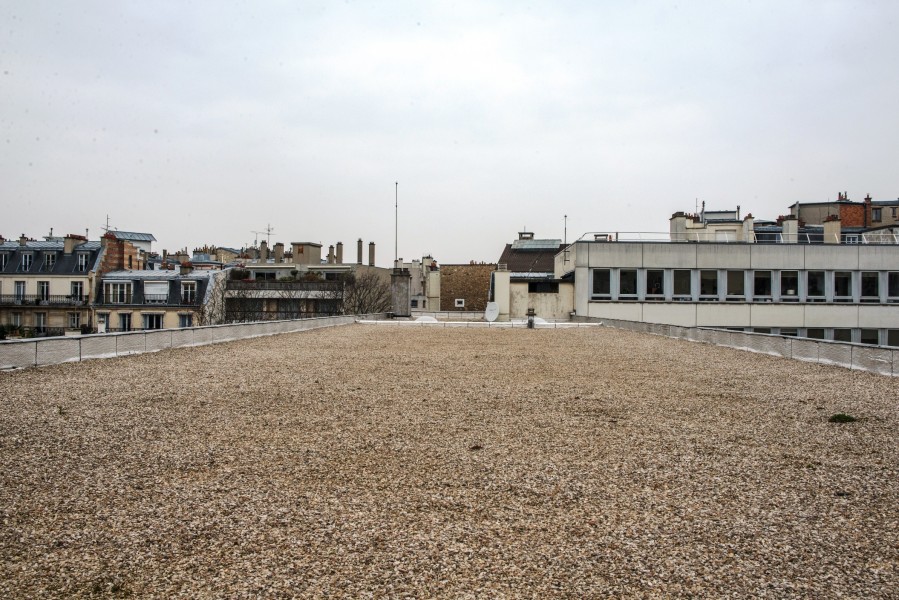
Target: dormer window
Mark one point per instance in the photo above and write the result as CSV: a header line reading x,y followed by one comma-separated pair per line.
x,y
49,261
4,258
82,262
27,260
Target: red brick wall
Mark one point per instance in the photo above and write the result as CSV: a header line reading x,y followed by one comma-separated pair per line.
x,y
852,215
471,282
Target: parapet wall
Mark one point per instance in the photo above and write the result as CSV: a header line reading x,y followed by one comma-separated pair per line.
x,y
50,351
860,357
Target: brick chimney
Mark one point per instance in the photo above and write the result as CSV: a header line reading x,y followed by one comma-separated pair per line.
x,y
339,253
359,252
371,254
868,212
187,268
279,252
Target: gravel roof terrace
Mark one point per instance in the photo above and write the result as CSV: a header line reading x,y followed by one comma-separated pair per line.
x,y
377,462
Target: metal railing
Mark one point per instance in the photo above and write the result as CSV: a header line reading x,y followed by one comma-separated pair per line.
x,y
43,300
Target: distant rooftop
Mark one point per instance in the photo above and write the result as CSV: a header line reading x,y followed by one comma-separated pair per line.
x,y
132,236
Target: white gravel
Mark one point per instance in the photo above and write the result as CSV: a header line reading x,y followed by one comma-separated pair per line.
x,y
463,463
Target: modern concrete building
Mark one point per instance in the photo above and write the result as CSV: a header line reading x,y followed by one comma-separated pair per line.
x,y
790,284
525,279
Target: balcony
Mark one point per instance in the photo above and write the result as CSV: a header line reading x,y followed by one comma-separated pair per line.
x,y
42,300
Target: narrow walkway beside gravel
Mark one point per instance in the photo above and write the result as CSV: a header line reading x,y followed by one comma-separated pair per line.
x,y
371,462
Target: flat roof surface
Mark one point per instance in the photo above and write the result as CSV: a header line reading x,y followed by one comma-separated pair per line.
x,y
371,461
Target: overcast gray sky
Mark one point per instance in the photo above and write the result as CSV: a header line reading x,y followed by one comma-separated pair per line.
x,y
203,121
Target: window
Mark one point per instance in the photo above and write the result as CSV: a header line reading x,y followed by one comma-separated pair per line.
x,y
893,334
815,286
708,285
49,261
156,292
870,336
893,287
842,335
77,291
736,285
25,265
414,303
655,284
20,291
815,333
40,322
682,284
876,215
188,320
627,284
602,284
842,286
125,322
74,320
789,286
4,258
118,293
460,303
789,331
761,330
15,319
870,287
543,287
43,290
82,262
153,321
761,286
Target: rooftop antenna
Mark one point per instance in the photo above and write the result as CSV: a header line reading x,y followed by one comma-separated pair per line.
x,y
396,231
565,240
106,227
268,235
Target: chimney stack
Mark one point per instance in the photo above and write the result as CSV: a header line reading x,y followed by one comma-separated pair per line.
x,y
339,253
279,252
186,268
263,250
371,254
331,254
23,240
359,252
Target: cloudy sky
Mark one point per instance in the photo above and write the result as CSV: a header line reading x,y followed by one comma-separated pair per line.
x,y
201,122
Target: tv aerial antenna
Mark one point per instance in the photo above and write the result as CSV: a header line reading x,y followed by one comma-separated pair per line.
x,y
268,235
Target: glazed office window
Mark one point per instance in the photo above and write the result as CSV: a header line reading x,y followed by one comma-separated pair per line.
x,y
842,335
708,285
842,286
814,291
789,286
870,286
682,284
736,286
893,336
815,333
655,284
870,336
627,284
761,286
602,284
893,286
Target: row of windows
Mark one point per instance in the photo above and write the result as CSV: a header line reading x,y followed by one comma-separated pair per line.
x,y
148,321
882,337
154,293
744,286
76,289
27,261
40,320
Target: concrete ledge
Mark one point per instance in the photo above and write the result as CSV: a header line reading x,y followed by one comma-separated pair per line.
x,y
802,349
876,360
54,351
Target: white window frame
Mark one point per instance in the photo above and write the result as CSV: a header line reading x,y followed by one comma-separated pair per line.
x,y
459,303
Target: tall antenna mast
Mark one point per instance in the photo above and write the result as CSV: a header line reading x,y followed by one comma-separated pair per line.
x,y
396,231
566,230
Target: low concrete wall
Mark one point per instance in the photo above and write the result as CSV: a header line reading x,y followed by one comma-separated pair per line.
x,y
860,357
16,354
